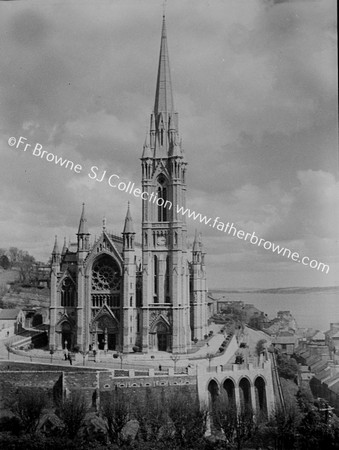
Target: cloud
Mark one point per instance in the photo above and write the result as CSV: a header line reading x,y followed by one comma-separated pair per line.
x,y
255,88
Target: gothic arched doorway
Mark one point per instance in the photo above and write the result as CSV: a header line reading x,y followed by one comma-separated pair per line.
x,y
162,337
105,332
66,335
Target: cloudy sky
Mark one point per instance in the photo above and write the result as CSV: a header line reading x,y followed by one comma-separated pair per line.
x,y
255,87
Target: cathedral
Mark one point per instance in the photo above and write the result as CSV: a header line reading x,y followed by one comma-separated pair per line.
x,y
117,294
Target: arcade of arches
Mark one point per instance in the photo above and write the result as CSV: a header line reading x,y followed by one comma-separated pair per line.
x,y
242,396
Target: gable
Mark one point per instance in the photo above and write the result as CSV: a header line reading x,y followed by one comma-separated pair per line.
x,y
104,245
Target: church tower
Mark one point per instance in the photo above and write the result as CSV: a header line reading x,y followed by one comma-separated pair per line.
x,y
129,286
116,294
198,290
165,277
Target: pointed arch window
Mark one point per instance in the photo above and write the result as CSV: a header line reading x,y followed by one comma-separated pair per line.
x,y
162,198
167,281
106,283
155,277
138,291
67,293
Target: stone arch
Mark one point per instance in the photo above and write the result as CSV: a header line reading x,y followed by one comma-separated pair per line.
x,y
66,332
105,331
96,254
245,394
213,389
260,395
160,334
228,393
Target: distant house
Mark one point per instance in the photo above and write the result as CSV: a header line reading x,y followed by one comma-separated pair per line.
x,y
318,338
8,319
332,337
286,342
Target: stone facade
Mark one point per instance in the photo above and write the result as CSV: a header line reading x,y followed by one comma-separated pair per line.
x,y
118,295
242,385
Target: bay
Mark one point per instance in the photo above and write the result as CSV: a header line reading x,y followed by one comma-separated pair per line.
x,y
311,307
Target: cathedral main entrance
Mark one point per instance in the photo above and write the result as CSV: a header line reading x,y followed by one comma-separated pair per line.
x,y
110,339
162,342
105,332
160,336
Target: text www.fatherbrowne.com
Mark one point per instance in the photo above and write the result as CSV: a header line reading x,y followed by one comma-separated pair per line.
x,y
114,181
230,229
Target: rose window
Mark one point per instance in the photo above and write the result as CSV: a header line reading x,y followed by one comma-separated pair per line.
x,y
105,277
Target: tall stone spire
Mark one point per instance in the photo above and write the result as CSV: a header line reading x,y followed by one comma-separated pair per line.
x,y
64,248
56,247
128,233
83,234
163,94
83,228
128,228
56,253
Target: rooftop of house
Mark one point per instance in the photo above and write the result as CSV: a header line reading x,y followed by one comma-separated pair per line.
x,y
320,336
9,314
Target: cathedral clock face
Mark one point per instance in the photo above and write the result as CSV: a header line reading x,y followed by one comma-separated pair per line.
x,y
161,240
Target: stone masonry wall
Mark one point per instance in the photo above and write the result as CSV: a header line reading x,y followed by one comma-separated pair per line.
x,y
95,385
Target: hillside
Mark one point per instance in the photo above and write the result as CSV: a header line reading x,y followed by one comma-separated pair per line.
x,y
19,297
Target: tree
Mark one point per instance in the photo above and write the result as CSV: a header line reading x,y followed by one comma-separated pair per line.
x,y
115,411
151,417
26,266
13,255
237,427
284,427
287,367
318,428
188,420
4,262
72,411
28,406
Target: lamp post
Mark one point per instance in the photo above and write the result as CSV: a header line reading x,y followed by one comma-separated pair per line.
x,y
84,354
121,356
209,356
8,347
175,358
